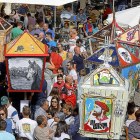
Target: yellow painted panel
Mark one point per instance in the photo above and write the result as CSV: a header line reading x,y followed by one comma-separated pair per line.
x,y
125,36
40,44
26,45
10,44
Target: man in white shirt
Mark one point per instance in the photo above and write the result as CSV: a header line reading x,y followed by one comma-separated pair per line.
x,y
72,72
67,14
82,49
12,112
25,127
72,40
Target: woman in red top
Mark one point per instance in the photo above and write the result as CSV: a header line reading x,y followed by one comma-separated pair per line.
x,y
60,83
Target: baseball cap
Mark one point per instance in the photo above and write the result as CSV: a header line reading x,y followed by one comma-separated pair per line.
x,y
4,100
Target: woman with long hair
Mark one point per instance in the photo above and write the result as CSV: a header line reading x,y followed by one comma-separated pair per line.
x,y
3,116
54,107
54,92
48,74
61,131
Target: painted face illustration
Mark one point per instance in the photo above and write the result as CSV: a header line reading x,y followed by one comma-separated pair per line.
x,y
97,109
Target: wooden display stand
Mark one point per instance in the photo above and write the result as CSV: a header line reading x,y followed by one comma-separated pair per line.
x,y
5,34
102,96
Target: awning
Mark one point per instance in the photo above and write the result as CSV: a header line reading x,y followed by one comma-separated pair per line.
x,y
39,2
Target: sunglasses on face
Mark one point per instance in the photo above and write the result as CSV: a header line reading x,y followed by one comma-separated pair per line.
x,y
68,65
54,102
2,114
56,117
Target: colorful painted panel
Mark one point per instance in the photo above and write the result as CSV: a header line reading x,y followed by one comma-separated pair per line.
x,y
126,58
97,115
25,44
104,77
132,71
131,36
25,73
103,32
4,25
132,49
99,56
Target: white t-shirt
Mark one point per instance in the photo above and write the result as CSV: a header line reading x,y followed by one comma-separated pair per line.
x,y
70,120
72,49
52,123
13,115
73,74
63,136
127,123
82,49
49,99
25,128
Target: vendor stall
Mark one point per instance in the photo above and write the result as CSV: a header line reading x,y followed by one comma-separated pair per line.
x,y
5,33
25,63
103,97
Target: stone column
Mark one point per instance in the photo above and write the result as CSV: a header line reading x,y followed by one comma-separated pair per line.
x,y
7,8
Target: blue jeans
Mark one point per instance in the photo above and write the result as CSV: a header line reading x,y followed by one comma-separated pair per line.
x,y
33,110
121,7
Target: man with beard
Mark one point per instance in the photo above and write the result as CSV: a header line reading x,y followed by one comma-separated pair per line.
x,y
98,121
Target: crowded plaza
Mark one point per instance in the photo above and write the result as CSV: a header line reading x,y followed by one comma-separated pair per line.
x,y
70,70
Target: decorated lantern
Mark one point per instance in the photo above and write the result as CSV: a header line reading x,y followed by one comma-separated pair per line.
x,y
5,34
25,58
123,57
103,96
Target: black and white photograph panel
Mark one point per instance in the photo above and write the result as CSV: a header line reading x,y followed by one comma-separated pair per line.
x,y
25,73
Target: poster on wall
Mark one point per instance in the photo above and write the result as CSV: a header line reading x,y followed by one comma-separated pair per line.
x,y
97,114
25,73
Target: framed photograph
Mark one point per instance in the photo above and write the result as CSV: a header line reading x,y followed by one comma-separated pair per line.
x,y
25,73
98,114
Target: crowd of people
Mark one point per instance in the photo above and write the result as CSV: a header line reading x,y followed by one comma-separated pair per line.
x,y
53,113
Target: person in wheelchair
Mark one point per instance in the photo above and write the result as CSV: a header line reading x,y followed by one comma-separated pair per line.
x,y
67,14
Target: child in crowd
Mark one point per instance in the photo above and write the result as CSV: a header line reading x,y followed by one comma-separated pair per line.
x,y
67,109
